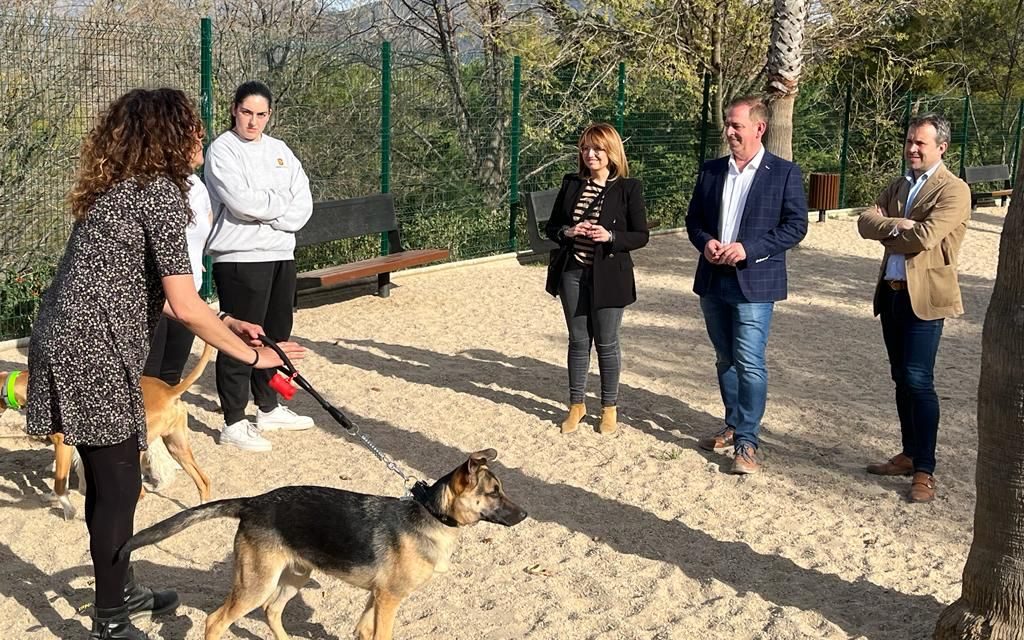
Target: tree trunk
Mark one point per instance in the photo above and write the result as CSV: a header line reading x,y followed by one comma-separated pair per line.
x,y
785,62
991,604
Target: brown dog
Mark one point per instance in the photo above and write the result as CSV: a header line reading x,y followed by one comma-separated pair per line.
x,y
388,546
166,418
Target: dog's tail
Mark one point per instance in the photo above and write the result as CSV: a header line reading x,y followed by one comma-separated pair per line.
x,y
190,379
230,508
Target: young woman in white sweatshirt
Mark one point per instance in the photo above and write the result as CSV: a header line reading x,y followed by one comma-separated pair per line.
x,y
261,198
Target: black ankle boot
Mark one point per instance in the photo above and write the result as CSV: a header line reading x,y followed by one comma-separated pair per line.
x,y
143,601
113,624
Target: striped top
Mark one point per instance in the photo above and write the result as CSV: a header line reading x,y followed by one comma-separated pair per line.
x,y
583,247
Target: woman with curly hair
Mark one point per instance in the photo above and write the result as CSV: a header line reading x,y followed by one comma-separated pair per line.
x,y
125,263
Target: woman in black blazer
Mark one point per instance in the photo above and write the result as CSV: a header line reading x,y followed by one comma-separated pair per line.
x,y
598,218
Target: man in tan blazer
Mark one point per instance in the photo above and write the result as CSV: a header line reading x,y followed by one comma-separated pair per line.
x,y
920,219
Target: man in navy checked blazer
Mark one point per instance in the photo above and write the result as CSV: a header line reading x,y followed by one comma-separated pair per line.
x,y
747,210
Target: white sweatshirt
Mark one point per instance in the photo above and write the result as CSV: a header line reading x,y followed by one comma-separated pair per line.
x,y
260,198
198,230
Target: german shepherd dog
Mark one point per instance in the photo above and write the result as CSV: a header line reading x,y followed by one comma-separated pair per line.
x,y
388,546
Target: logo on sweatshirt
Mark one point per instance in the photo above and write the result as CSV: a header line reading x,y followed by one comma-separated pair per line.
x,y
280,162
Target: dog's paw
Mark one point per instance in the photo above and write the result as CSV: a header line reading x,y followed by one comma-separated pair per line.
x,y
66,507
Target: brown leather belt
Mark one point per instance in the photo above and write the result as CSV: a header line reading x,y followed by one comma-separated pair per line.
x,y
897,285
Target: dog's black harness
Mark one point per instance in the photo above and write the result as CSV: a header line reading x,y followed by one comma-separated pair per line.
x,y
419,495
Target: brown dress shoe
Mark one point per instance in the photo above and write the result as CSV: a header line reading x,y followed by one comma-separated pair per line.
x,y
745,461
720,440
899,465
577,411
922,488
609,420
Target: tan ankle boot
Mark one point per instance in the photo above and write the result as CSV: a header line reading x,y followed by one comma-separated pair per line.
x,y
572,421
609,420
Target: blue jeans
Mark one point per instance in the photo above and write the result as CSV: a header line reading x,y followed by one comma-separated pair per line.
x,y
912,344
739,332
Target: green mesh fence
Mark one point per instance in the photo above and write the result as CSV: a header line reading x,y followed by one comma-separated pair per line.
x,y
436,132
55,76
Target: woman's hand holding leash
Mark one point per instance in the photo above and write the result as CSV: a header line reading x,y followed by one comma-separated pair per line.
x,y
269,358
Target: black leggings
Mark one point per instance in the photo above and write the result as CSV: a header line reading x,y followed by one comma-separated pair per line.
x,y
113,482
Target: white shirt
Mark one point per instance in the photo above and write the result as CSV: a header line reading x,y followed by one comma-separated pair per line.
x,y
896,266
199,229
734,196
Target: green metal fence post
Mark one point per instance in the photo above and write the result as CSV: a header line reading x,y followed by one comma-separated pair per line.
x,y
206,112
620,103
385,131
513,178
844,152
704,108
1015,158
963,142
906,125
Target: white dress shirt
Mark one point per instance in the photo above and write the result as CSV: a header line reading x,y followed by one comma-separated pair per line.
x,y
734,196
896,265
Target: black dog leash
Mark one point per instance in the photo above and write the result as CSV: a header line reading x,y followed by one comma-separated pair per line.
x,y
288,373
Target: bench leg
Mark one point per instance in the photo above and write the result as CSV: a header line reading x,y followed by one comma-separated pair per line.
x,y
383,284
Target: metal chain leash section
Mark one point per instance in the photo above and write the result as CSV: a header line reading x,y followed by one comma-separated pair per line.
x,y
407,480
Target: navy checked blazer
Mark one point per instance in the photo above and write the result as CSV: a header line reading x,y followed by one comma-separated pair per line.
x,y
773,221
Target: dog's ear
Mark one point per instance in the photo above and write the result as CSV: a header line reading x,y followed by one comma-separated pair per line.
x,y
465,477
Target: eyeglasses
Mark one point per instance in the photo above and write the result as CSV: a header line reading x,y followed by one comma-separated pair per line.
x,y
587,149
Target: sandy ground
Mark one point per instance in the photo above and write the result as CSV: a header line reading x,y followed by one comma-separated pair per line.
x,y
635,535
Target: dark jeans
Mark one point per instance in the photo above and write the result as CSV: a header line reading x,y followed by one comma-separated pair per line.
x,y
260,292
588,325
739,332
912,344
113,480
168,351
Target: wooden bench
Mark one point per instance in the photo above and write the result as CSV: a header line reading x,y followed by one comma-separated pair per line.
x,y
538,211
352,218
988,173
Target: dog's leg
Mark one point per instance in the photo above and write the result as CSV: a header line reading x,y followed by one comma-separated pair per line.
x,y
257,573
385,607
364,628
62,470
292,579
179,448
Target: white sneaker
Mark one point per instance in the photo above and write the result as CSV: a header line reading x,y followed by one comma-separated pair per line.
x,y
244,435
282,418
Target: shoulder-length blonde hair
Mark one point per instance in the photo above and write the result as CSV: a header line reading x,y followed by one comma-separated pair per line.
x,y
144,134
602,135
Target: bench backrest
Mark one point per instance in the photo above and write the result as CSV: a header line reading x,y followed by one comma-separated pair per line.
x,y
350,218
538,211
986,173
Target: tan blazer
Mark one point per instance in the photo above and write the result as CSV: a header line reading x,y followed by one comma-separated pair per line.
x,y
931,247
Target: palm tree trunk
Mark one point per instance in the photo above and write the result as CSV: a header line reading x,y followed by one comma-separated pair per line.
x,y
991,604
785,62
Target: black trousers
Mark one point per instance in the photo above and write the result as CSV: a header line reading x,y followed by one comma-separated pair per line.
x,y
113,481
169,351
263,293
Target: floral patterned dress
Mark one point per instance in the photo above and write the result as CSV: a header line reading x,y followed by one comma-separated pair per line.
x,y
90,341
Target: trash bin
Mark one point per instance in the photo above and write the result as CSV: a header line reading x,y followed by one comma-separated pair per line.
x,y
824,193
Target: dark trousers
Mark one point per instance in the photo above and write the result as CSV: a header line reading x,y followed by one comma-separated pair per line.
x,y
168,351
912,344
587,326
113,480
263,293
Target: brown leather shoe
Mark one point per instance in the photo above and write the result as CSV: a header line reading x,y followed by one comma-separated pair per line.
x,y
898,465
723,439
922,488
745,461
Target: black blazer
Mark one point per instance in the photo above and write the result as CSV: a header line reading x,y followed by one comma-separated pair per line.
x,y
624,213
